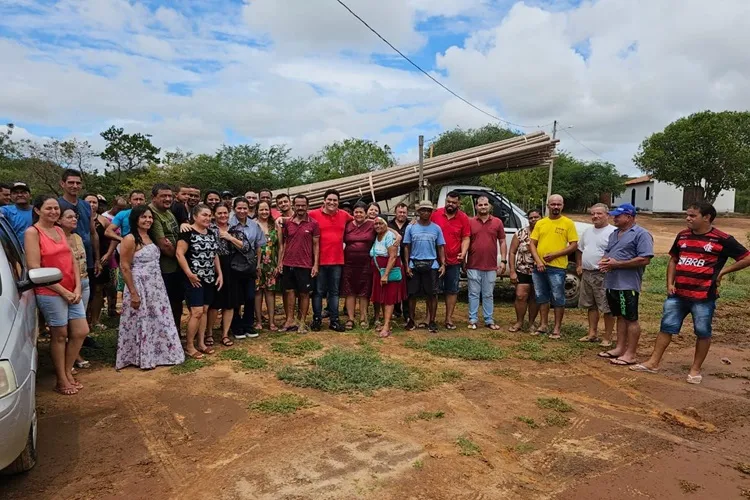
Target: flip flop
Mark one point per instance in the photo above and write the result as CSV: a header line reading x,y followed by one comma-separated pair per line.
x,y
196,355
471,326
539,331
589,339
422,325
641,368
621,362
694,379
605,343
384,333
208,350
555,336
608,355
292,328
513,329
493,326
450,326
273,328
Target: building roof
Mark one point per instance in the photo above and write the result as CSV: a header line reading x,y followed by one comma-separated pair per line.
x,y
638,180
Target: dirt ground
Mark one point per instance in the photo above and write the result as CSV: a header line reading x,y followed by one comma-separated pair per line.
x,y
159,435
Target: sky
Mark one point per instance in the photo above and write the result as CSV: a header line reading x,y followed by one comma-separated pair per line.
x,y
199,74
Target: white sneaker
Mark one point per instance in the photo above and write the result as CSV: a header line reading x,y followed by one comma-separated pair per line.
x,y
240,336
253,335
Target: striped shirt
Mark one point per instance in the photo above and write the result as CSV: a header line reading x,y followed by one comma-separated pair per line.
x,y
700,258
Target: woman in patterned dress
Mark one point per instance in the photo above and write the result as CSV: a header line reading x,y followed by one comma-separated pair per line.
x,y
521,266
148,337
267,283
197,257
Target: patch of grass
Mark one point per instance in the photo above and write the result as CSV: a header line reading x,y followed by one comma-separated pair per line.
x,y
107,351
528,421
350,370
556,420
522,448
530,346
556,404
735,287
450,375
426,415
507,373
285,404
297,349
418,464
467,447
190,365
459,347
246,360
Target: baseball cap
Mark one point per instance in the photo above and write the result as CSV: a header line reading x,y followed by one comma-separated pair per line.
x,y
226,194
101,198
20,186
425,205
625,208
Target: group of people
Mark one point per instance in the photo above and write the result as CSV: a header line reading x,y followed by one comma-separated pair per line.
x,y
229,255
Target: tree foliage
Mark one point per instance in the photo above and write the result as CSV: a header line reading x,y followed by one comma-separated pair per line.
x,y
349,157
706,149
127,152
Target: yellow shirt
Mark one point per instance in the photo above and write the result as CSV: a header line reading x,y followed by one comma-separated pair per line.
x,y
553,235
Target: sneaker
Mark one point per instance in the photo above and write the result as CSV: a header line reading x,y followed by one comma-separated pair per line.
x,y
239,335
252,334
316,325
336,327
409,326
432,327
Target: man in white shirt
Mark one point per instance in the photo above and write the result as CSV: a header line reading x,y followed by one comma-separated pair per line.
x,y
591,246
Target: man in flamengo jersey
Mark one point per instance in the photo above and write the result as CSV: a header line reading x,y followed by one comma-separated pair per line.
x,y
693,278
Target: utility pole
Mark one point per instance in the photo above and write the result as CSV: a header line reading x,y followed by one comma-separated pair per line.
x,y
421,167
551,167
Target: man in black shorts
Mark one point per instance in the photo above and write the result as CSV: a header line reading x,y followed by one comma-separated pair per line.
x,y
299,259
424,250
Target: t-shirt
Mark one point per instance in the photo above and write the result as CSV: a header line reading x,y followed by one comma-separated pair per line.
x,y
180,212
380,248
454,230
627,245
593,244
553,235
165,226
122,220
20,220
298,242
358,239
331,235
200,254
423,242
700,258
485,235
83,209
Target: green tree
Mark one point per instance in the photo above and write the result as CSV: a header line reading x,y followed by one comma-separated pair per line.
x,y
704,150
126,153
349,157
458,139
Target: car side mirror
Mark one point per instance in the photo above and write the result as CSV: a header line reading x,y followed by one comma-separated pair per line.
x,y
42,276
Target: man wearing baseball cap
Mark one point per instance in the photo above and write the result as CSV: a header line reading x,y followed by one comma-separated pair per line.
x,y
629,251
19,214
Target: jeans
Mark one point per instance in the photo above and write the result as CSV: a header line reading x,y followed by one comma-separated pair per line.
x,y
549,286
676,310
481,282
246,322
327,284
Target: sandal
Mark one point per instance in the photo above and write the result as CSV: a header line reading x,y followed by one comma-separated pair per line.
x,y
349,325
273,328
539,331
589,339
364,324
384,333
608,355
82,364
196,355
555,336
493,326
433,327
209,340
471,326
422,325
227,341
450,326
514,328
207,350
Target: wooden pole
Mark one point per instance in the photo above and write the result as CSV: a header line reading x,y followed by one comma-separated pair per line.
x,y
421,167
551,167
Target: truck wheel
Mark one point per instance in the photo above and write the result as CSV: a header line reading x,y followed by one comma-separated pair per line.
x,y
27,459
572,286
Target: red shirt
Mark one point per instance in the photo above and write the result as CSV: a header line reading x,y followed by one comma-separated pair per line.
x,y
454,230
484,239
275,213
298,242
331,235
700,258
56,254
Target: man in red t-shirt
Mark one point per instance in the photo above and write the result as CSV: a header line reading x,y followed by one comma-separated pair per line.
x,y
694,274
298,261
455,226
481,266
332,222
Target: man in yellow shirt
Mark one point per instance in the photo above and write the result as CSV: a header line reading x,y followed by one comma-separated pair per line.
x,y
553,239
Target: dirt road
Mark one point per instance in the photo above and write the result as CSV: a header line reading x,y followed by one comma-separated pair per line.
x,y
156,435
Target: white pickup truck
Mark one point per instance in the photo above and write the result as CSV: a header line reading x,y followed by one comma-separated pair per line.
x,y
513,219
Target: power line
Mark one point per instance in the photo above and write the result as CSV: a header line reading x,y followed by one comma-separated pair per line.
x,y
433,78
585,146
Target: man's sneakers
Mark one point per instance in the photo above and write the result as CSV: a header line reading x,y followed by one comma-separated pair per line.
x,y
240,335
336,327
316,325
252,334
246,334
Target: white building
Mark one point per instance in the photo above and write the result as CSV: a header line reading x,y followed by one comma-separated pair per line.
x,y
651,195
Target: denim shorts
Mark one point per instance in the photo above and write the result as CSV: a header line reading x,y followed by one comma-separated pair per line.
x,y
676,310
57,311
450,280
199,296
549,286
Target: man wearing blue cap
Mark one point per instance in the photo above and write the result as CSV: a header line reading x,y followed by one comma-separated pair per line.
x,y
628,252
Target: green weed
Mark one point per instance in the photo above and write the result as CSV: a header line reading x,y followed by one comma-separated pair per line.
x,y
426,415
556,419
556,404
285,404
467,447
246,360
507,373
522,448
418,464
189,366
528,421
450,375
459,347
299,348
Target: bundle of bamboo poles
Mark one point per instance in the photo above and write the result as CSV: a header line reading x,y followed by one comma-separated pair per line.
x,y
527,151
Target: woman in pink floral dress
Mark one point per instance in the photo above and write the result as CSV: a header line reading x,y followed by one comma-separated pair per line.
x,y
148,337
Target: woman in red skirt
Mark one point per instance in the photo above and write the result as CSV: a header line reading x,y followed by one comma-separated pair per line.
x,y
356,278
388,283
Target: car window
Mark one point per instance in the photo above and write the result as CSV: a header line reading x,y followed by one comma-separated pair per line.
x,y
467,205
13,253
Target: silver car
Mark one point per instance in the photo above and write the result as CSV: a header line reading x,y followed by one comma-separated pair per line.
x,y
18,354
